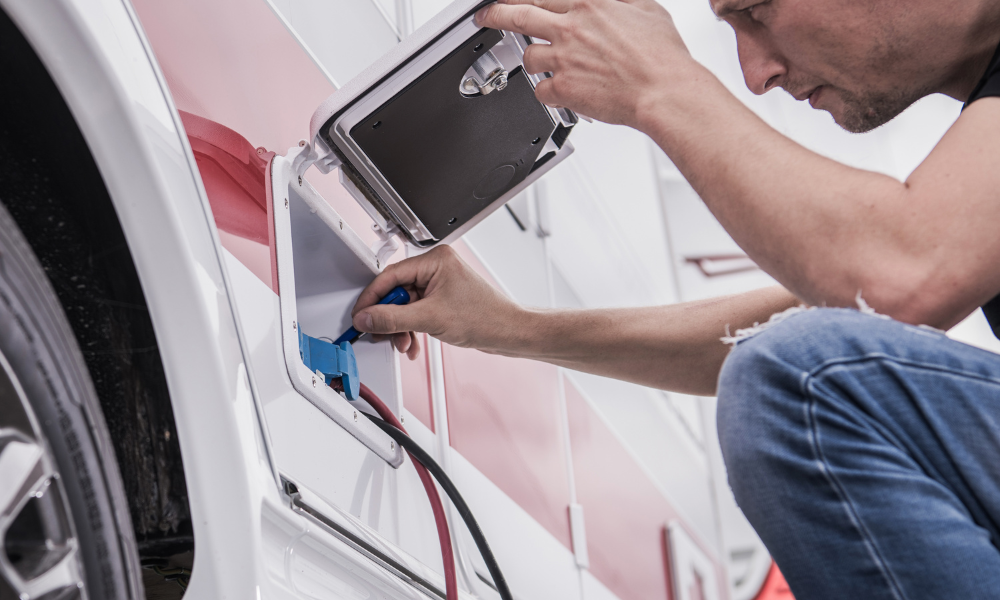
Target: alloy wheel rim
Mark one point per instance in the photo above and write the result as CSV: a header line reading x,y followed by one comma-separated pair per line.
x,y
40,557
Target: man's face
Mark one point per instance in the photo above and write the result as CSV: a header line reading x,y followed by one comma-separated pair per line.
x,y
853,58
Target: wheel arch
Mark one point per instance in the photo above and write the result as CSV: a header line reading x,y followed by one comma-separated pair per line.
x,y
65,212
98,57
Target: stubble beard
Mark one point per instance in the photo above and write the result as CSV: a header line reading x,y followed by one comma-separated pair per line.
x,y
868,109
862,113
865,111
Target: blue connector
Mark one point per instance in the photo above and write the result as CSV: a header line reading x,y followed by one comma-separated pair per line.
x,y
334,361
337,360
395,296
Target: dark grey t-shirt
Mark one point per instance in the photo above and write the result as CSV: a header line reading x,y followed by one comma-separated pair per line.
x,y
988,86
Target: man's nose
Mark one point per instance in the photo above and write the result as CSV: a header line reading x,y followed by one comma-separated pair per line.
x,y
763,68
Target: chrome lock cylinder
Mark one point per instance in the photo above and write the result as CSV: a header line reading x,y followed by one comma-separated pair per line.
x,y
489,75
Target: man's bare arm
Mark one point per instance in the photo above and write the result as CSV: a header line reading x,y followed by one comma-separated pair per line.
x,y
923,251
675,347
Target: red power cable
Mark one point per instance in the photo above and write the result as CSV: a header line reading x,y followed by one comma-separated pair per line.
x,y
444,536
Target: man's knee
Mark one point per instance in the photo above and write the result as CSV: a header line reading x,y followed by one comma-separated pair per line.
x,y
761,393
784,353
780,353
809,338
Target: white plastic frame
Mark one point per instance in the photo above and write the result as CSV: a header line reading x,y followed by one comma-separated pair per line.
x,y
305,382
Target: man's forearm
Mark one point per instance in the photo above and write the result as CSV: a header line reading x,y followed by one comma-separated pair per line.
x,y
675,347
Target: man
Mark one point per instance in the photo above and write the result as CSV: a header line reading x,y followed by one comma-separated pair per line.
x,y
864,450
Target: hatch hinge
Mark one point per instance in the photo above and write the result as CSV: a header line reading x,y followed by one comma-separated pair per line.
x,y
387,243
305,155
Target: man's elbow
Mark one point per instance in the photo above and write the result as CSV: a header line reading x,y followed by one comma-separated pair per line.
x,y
920,297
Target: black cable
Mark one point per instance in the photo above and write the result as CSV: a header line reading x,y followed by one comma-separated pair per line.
x,y
407,443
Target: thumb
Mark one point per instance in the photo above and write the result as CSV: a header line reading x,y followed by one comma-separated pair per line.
x,y
388,318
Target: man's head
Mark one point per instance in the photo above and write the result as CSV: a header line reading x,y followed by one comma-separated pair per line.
x,y
863,61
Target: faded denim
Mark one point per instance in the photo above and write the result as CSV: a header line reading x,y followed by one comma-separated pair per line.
x,y
866,454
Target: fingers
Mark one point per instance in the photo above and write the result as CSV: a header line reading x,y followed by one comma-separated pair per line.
x,y
540,58
519,18
556,6
411,273
407,343
389,318
402,341
546,94
404,273
413,350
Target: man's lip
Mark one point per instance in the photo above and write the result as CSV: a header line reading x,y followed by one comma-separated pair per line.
x,y
801,97
813,95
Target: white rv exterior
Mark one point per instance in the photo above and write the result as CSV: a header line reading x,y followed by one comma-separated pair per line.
x,y
587,488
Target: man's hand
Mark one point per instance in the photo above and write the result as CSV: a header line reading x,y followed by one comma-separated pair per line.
x,y
449,301
610,59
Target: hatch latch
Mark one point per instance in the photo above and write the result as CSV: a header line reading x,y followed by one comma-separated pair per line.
x,y
487,75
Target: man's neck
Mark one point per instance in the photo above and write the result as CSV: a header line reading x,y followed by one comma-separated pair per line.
x,y
980,36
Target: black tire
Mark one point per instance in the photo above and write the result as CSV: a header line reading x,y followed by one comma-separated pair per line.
x,y
42,352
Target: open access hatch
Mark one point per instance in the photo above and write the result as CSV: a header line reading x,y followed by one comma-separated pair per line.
x,y
431,139
442,130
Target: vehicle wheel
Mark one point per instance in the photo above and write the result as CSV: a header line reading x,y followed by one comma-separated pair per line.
x,y
65,529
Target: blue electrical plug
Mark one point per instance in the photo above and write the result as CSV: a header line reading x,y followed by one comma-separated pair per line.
x,y
397,296
332,361
337,360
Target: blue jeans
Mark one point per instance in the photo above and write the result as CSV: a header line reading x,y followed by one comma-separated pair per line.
x,y
866,454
